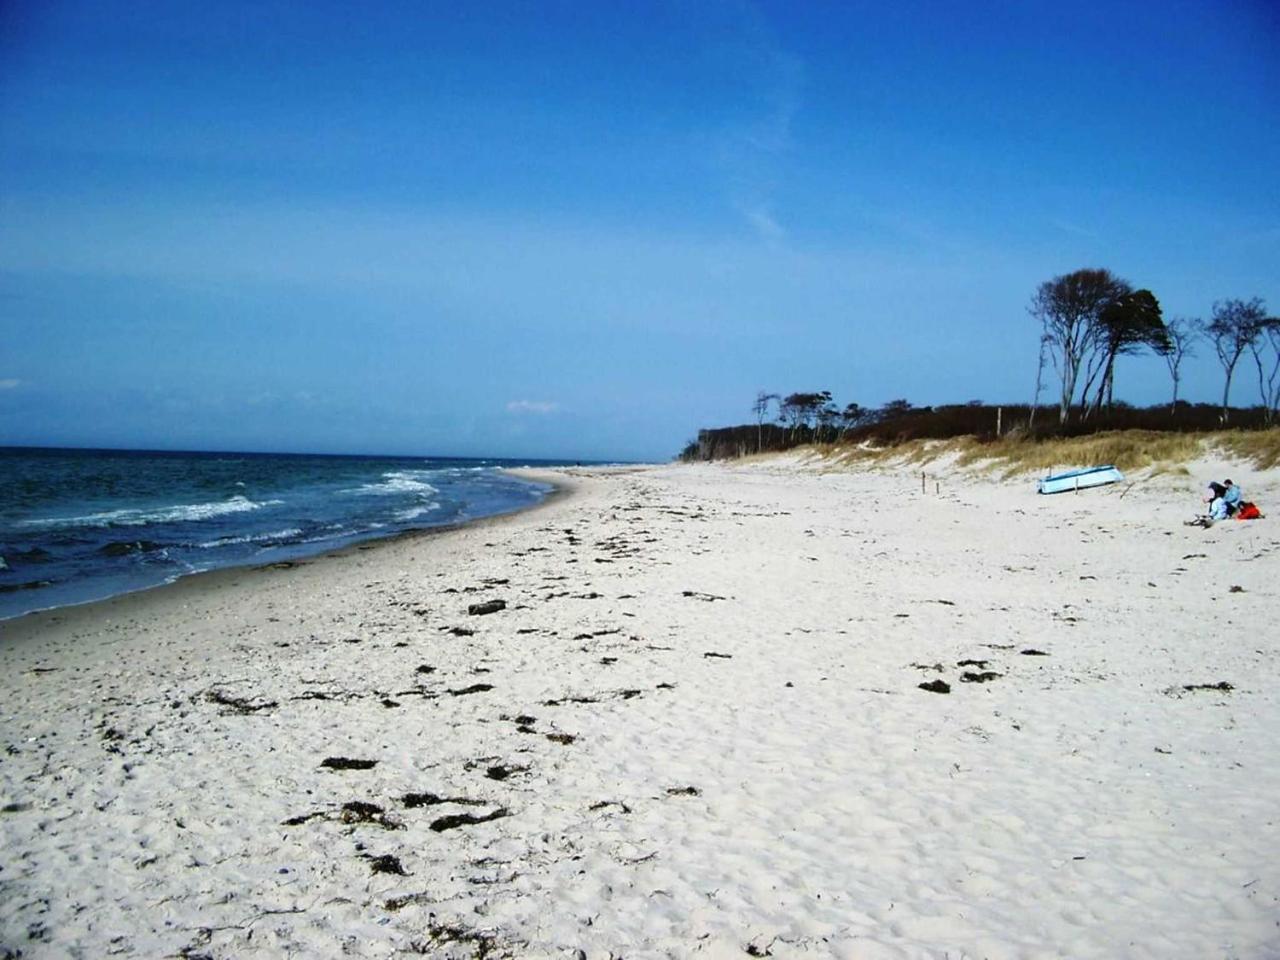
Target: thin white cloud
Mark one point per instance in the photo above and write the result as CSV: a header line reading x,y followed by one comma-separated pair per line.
x,y
764,224
752,147
532,406
9,384
1074,229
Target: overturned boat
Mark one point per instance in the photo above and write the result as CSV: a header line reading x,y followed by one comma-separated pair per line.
x,y
1079,479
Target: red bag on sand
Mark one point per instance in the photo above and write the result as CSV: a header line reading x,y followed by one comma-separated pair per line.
x,y
1248,511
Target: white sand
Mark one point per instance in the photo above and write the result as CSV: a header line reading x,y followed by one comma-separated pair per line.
x,y
754,633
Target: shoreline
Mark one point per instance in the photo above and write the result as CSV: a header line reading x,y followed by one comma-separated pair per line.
x,y
707,715
19,628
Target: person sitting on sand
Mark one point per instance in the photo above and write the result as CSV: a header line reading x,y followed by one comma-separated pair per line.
x,y
1215,496
1232,497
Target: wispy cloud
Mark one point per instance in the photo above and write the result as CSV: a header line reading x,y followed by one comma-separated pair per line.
x,y
1074,229
763,222
751,147
9,384
532,406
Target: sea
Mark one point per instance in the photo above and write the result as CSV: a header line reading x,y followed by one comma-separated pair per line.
x,y
82,525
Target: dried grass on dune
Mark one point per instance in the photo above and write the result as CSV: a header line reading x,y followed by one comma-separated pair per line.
x,y
1014,454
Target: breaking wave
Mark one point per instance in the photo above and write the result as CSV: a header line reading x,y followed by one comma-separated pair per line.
x,y
141,516
397,481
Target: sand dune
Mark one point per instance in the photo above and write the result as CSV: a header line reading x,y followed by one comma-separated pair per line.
x,y
694,726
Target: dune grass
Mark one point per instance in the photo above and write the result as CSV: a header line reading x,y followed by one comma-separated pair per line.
x,y
1259,447
1163,453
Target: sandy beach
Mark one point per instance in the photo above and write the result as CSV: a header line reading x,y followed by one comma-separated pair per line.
x,y
676,711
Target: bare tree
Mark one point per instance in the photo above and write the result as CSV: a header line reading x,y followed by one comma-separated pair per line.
x,y
1069,309
761,409
1180,334
1236,324
1266,352
1035,403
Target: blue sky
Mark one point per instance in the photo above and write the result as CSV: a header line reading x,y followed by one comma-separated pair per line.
x,y
586,229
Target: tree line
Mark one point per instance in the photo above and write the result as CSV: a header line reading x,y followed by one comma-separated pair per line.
x,y
1088,320
1091,317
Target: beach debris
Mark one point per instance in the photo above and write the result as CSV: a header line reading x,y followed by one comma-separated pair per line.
x,y
347,763
459,631
497,771
935,686
719,656
980,664
389,703
683,792
982,677
697,595
241,705
354,811
1033,652
937,667
112,734
488,606
358,811
387,864
1236,588
945,603
432,800
1222,686
474,688
482,945
301,819
425,668
605,804
466,819
564,700
563,739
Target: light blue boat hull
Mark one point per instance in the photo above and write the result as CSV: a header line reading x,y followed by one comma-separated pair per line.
x,y
1079,480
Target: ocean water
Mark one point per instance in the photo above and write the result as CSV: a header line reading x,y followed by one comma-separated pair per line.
x,y
80,525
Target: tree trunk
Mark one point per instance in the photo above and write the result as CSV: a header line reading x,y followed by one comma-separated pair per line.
x,y
1070,373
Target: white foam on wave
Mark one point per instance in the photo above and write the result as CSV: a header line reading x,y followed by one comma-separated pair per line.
x,y
413,513
397,481
139,517
250,538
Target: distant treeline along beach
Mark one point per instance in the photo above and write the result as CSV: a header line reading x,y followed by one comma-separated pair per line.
x,y
1088,319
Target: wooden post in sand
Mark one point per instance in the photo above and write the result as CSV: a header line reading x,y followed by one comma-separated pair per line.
x,y
922,490
999,415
